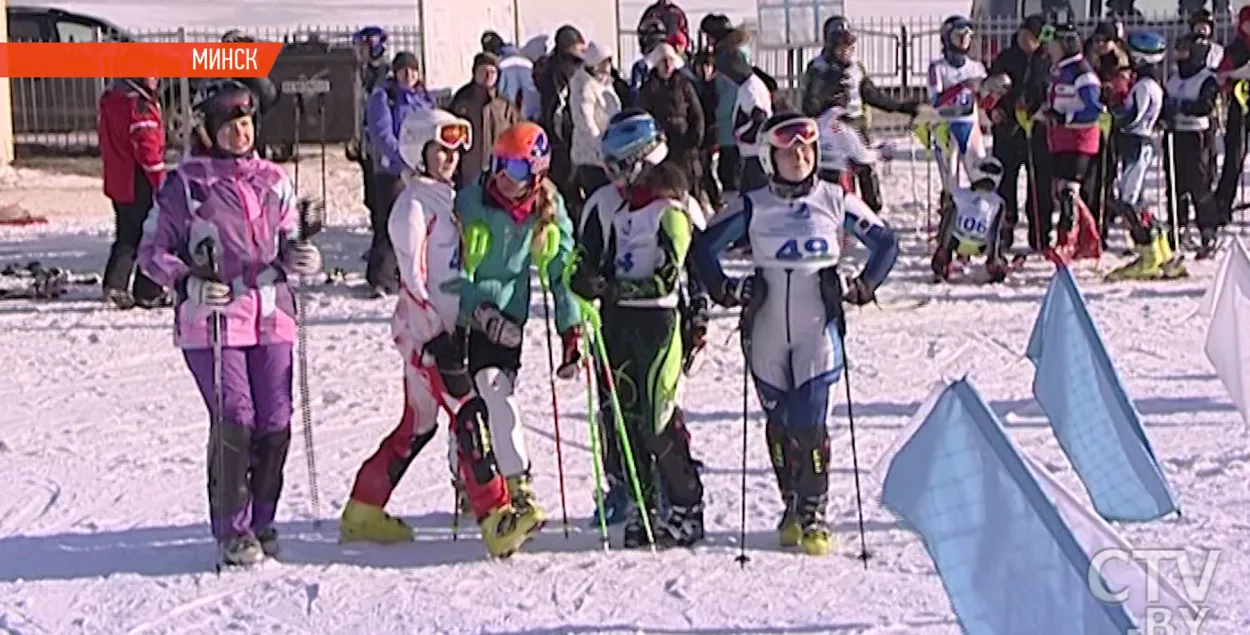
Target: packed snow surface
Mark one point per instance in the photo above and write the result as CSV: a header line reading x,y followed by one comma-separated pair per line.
x,y
103,525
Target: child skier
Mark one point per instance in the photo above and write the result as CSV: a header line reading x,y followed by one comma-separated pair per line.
x,y
633,244
792,303
1135,123
954,86
226,235
1073,110
969,224
513,203
1191,97
426,237
843,153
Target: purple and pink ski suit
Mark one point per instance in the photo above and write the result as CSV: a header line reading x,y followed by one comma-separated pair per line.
x,y
247,207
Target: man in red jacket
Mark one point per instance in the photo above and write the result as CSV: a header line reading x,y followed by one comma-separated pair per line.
x,y
132,145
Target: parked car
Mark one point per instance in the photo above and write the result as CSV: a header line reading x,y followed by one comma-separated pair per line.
x,y
57,104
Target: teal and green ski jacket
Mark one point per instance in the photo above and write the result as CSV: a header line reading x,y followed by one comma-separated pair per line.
x,y
503,277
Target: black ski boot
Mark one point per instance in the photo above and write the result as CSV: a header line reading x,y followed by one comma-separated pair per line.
x,y
636,531
682,528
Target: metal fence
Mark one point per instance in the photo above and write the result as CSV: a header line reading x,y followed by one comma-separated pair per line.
x,y
58,116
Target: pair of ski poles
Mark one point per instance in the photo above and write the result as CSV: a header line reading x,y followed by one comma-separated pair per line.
x,y
543,250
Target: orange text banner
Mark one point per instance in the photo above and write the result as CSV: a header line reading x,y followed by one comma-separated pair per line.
x,y
147,59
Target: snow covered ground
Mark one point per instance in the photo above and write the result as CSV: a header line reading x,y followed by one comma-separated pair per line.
x,y
103,508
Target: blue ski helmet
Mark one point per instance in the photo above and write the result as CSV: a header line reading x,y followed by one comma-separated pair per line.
x,y
1147,48
633,138
375,36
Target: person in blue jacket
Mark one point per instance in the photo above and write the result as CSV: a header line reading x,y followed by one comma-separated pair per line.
x,y
401,95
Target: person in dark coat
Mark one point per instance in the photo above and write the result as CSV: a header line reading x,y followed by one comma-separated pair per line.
x,y
487,112
709,99
670,97
557,119
1026,63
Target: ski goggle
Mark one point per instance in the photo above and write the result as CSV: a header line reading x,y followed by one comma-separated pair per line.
x,y
518,170
1047,34
455,136
804,131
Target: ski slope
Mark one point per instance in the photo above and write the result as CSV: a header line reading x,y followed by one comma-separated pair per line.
x,y
103,512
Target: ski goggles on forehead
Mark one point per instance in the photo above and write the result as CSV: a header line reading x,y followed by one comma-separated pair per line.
x,y
1047,34
455,136
788,134
519,170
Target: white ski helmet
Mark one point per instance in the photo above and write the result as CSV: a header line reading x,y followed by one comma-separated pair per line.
x,y
436,125
783,131
990,169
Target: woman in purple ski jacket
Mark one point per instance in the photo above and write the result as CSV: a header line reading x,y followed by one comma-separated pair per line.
x,y
224,235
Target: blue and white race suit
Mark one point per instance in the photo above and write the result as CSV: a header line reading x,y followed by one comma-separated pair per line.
x,y
791,341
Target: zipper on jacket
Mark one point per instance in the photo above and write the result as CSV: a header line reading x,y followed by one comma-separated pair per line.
x,y
789,272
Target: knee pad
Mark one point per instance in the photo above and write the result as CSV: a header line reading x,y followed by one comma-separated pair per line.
x,y
473,440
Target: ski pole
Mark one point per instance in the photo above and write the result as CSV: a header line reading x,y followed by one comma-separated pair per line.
x,y
474,247
596,455
850,417
206,252
1035,222
595,322
743,558
311,222
543,253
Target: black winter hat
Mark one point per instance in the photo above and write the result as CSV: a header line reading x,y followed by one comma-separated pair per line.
x,y
485,59
404,59
1034,24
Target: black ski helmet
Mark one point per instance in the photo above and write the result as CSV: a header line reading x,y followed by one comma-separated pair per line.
x,y
1068,38
953,26
833,26
219,102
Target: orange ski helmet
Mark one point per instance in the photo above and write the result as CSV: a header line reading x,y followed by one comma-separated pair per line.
x,y
523,152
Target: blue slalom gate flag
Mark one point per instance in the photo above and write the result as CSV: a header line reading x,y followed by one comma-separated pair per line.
x,y
1090,413
1016,552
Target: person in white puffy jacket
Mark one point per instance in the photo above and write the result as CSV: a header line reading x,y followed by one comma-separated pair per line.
x,y
594,103
426,238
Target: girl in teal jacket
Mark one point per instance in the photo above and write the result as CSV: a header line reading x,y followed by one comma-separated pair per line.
x,y
513,203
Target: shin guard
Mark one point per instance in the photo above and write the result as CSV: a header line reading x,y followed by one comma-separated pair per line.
x,y
268,458
678,472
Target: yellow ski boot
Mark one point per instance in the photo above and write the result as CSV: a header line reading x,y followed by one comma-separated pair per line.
x,y
523,498
371,523
816,540
1173,267
1151,258
505,529
789,530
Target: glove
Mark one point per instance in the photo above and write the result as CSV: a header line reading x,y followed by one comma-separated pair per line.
x,y
740,291
571,362
857,292
498,328
594,286
303,258
208,292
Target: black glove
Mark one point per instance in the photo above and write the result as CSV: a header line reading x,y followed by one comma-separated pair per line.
x,y
742,291
858,292
592,285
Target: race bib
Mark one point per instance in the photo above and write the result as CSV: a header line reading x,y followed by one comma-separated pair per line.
x,y
972,227
795,239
